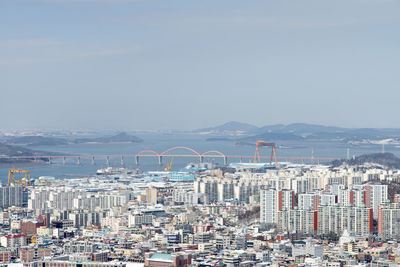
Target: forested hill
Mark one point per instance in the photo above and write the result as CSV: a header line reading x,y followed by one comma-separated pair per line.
x,y
388,160
8,151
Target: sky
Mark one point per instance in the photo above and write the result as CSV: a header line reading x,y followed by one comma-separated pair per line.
x,y
186,64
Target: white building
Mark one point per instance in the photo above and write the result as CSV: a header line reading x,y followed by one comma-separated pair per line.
x,y
272,201
137,220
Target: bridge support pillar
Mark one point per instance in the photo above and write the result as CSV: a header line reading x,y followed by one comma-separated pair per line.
x,y
137,160
49,160
201,159
78,161
225,160
122,162
159,160
108,161
64,160
93,163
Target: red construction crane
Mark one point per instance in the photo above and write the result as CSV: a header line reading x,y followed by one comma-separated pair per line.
x,y
261,143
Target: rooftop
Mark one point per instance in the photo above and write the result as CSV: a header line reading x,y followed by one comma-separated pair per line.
x,y
161,257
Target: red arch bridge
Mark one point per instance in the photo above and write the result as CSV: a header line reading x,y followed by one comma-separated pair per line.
x,y
165,154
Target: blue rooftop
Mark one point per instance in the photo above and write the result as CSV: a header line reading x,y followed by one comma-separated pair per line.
x,y
161,257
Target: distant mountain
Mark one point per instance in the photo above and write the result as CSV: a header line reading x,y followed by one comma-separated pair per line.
x,y
7,151
385,159
295,131
119,138
231,127
36,141
301,129
271,136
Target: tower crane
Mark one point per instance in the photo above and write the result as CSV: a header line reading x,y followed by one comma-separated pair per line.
x,y
169,165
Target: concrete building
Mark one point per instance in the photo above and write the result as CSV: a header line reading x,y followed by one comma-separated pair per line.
x,y
356,220
308,201
28,254
188,197
272,201
79,247
13,241
30,227
11,196
167,260
375,195
84,218
297,220
137,220
389,220
215,189
308,249
5,255
151,195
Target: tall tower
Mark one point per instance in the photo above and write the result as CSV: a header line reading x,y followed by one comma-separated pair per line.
x,y
312,155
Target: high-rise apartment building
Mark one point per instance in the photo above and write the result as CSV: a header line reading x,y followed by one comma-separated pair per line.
x,y
297,220
336,219
375,195
11,196
272,201
308,201
389,220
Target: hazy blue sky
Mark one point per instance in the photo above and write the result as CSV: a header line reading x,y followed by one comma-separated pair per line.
x,y
157,64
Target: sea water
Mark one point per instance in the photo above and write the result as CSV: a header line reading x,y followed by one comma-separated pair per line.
x,y
162,142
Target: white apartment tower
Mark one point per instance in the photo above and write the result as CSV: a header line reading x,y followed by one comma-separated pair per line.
x,y
272,201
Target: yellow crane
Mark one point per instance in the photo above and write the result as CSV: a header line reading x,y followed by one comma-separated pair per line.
x,y
43,181
25,181
169,165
